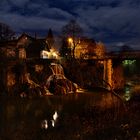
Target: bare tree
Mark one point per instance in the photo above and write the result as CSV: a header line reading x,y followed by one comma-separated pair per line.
x,y
65,51
6,33
74,31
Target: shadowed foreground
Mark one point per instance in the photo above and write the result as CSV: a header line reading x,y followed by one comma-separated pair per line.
x,y
71,117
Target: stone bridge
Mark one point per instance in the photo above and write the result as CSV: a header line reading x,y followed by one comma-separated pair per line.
x,y
129,61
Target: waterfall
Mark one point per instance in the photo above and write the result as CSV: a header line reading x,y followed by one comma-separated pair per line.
x,y
56,69
57,82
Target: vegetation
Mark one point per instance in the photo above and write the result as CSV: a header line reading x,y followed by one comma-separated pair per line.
x,y
74,31
65,51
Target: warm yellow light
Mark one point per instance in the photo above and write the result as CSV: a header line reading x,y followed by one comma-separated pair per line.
x,y
70,40
51,54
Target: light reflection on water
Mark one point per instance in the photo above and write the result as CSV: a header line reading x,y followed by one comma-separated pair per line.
x,y
55,116
49,112
127,93
44,123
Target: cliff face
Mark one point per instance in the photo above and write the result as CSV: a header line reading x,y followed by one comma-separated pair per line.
x,y
35,78
85,74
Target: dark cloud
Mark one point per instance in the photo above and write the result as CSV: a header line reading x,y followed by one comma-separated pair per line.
x,y
31,23
55,13
112,24
110,21
19,3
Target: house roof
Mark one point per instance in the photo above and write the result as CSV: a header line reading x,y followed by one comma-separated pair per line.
x,y
36,44
26,35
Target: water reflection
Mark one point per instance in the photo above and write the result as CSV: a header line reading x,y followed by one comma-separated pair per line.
x,y
53,123
45,124
72,113
55,116
127,92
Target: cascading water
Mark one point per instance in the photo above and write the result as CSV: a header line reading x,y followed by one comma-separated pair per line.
x,y
57,69
57,82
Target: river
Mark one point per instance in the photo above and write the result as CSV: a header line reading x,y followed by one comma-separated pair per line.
x,y
88,115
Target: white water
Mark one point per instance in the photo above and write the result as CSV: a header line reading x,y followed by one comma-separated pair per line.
x,y
58,74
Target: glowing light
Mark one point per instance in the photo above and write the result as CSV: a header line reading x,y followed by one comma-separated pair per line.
x,y
127,94
80,90
127,97
70,40
53,123
55,116
44,124
128,62
52,54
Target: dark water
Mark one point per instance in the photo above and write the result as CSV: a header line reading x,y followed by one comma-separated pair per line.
x,y
70,117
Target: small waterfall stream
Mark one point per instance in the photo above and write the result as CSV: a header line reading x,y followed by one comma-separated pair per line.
x,y
57,83
57,69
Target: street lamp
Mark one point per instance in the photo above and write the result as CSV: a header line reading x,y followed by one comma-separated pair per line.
x,y
70,40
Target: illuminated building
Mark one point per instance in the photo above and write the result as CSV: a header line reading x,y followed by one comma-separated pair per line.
x,y
87,48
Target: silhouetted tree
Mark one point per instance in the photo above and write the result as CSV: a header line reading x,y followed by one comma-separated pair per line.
x,y
6,33
65,51
50,39
72,30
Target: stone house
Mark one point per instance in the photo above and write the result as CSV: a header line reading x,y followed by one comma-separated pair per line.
x,y
14,56
25,47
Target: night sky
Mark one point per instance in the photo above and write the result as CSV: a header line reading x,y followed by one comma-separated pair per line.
x,y
114,22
